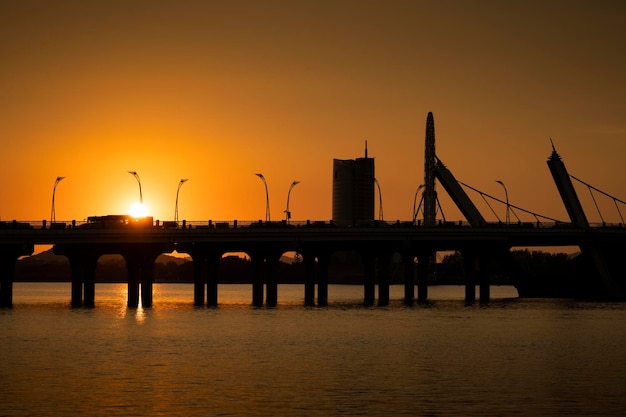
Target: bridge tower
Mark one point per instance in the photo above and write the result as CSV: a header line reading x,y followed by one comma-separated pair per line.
x,y
430,194
566,190
592,250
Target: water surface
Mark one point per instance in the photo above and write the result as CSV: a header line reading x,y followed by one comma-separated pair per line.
x,y
508,357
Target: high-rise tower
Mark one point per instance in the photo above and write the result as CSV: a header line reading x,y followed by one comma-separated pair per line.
x,y
353,190
430,195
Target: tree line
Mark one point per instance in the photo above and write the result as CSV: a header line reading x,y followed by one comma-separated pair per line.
x,y
345,268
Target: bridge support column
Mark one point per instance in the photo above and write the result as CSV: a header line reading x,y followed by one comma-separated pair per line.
x,y
309,279
471,267
199,278
83,277
89,287
89,282
147,280
140,267
384,263
258,263
8,258
77,283
409,278
423,268
7,269
369,273
323,262
485,270
213,266
134,278
271,266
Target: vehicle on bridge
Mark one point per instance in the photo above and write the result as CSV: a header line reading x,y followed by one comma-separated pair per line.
x,y
113,221
15,225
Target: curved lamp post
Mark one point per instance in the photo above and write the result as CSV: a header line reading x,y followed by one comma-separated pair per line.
x,y
380,201
415,202
54,190
287,212
180,184
134,174
267,198
506,194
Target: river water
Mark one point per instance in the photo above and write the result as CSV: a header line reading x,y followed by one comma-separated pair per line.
x,y
508,357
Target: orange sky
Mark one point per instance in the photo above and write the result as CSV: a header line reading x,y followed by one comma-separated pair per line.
x,y
216,91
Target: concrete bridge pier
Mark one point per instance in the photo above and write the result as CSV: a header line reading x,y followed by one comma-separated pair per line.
x,y
7,269
369,274
206,263
212,277
199,278
384,266
147,281
308,259
471,267
140,267
409,278
323,262
8,258
83,261
485,270
271,284
257,262
89,283
478,269
134,277
264,267
423,269
83,277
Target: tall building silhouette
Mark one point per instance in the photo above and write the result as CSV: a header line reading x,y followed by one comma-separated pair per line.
x,y
353,190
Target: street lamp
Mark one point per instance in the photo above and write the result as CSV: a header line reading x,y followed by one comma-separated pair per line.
x,y
267,198
506,194
415,202
180,184
380,201
134,174
287,212
54,190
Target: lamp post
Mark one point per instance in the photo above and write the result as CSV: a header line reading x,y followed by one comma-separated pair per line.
x,y
287,212
380,201
180,184
506,194
134,174
267,198
54,190
415,202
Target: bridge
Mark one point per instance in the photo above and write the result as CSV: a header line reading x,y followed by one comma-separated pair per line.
x,y
485,246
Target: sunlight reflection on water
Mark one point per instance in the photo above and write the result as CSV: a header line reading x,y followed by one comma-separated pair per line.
x,y
446,358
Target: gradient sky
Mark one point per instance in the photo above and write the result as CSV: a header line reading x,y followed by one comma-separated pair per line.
x,y
216,91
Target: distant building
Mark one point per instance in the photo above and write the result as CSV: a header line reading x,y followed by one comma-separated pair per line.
x,y
353,190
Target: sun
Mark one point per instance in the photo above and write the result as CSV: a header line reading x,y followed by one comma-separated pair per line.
x,y
138,210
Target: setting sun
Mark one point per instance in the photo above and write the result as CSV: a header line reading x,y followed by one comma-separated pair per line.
x,y
138,210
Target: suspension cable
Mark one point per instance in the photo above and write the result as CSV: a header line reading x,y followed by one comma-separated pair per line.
x,y
618,211
596,204
490,208
536,215
441,209
515,214
615,199
597,189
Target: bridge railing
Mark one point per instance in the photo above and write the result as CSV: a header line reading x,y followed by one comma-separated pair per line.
x,y
237,224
